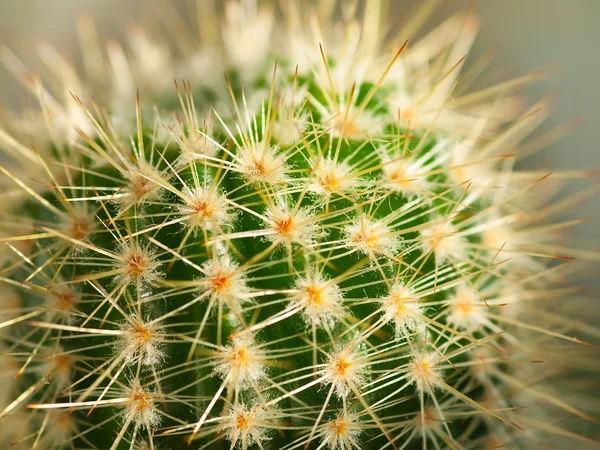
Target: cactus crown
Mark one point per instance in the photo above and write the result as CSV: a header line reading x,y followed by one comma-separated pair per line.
x,y
330,250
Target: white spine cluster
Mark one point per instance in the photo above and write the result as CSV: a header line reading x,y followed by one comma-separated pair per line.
x,y
331,249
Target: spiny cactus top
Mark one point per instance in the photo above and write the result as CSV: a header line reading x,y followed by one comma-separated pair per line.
x,y
329,248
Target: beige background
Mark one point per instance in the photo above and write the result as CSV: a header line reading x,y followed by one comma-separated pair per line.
x,y
561,34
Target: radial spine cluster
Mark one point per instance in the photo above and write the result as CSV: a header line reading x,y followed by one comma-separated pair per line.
x,y
327,248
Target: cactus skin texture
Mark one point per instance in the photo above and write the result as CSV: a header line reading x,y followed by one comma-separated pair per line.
x,y
331,249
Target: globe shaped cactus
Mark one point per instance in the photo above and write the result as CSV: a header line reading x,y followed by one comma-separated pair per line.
x,y
328,248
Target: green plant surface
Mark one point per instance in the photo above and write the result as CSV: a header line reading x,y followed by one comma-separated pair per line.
x,y
332,249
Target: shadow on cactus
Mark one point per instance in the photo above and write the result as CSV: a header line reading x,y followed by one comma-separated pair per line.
x,y
329,249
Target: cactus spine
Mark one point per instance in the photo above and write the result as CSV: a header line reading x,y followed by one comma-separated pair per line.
x,y
330,250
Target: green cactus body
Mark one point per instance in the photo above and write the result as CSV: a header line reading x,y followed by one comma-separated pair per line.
x,y
333,262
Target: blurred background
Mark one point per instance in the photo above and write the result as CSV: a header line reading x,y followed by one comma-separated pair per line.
x,y
562,35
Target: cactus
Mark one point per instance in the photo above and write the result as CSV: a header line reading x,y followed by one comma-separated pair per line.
x,y
330,249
